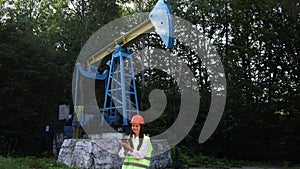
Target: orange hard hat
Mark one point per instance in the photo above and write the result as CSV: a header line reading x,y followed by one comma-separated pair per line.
x,y
137,119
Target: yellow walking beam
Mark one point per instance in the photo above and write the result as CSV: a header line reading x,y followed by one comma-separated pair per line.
x,y
128,37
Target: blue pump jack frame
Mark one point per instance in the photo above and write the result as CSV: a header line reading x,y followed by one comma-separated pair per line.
x,y
162,19
118,75
123,81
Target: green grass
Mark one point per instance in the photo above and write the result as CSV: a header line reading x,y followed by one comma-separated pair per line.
x,y
50,163
207,160
204,160
29,163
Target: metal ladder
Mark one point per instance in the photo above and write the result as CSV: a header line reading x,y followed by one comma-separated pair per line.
x,y
120,92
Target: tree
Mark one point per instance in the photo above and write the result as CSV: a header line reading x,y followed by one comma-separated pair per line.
x,y
257,42
39,44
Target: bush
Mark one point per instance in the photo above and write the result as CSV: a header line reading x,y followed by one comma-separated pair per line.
x,y
29,163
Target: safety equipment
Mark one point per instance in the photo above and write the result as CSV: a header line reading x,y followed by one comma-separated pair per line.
x,y
137,119
131,162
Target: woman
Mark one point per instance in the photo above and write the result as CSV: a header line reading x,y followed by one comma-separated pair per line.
x,y
137,150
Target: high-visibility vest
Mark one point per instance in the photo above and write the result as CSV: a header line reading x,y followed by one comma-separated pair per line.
x,y
130,162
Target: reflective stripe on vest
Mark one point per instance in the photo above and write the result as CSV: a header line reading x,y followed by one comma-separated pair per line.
x,y
131,162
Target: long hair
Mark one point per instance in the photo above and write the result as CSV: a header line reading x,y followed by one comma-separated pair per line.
x,y
141,136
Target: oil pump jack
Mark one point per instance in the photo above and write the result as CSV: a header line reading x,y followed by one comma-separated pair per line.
x,y
160,19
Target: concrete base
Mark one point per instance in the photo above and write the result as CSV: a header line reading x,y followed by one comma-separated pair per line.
x,y
102,152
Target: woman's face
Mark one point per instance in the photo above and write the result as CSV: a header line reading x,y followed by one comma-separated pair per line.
x,y
136,128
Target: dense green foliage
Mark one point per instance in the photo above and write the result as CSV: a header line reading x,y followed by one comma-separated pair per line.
x,y
40,41
258,42
29,162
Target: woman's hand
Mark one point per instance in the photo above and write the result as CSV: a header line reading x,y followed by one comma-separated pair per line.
x,y
127,146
